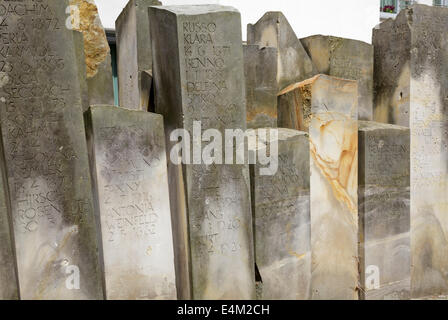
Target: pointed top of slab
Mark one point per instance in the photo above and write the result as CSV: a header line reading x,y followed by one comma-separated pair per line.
x,y
270,15
274,30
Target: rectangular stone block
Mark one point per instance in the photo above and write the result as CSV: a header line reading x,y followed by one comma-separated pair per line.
x,y
384,211
326,108
9,286
293,63
128,163
134,52
411,80
281,210
260,71
47,165
85,18
347,59
201,82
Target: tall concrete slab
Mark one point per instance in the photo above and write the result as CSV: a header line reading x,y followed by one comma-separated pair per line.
x,y
134,52
326,107
281,210
128,163
199,80
384,211
411,81
43,94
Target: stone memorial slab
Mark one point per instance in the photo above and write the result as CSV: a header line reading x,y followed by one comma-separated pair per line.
x,y
9,289
41,102
85,18
134,52
326,107
198,74
347,59
281,210
128,163
293,63
260,71
411,80
384,211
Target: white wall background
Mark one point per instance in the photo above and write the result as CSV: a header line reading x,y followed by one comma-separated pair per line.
x,y
344,18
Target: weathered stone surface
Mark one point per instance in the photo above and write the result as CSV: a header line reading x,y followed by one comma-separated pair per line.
x,y
293,63
134,52
411,80
296,107
326,107
41,103
128,162
347,59
392,77
147,94
384,211
85,18
198,74
9,289
260,71
281,209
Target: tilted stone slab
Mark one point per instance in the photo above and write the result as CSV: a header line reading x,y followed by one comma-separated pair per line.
x,y
128,160
384,211
43,96
293,64
326,107
134,53
281,209
202,79
85,18
347,59
260,71
411,81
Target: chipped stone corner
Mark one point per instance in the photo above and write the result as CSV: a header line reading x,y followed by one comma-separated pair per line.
x,y
96,47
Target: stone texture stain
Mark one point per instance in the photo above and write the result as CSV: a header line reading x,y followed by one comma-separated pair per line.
x,y
335,44
338,165
45,282
96,47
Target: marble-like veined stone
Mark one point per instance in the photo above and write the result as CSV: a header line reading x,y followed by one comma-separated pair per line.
x,y
128,163
384,211
347,59
9,286
42,97
281,210
293,63
198,76
411,83
85,18
326,107
134,53
260,71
